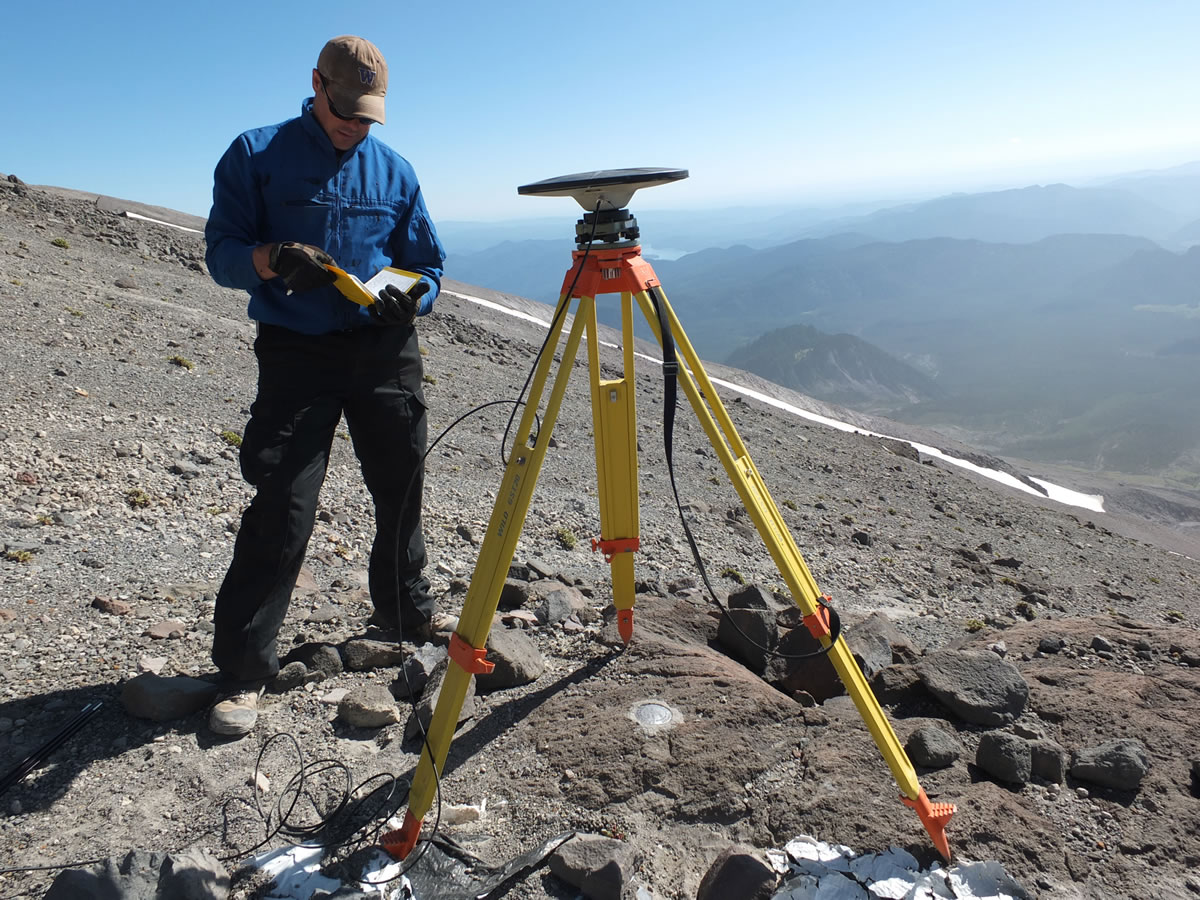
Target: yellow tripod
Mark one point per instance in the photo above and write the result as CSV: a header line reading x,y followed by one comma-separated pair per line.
x,y
616,266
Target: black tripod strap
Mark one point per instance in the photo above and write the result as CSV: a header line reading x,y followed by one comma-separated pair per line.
x,y
670,368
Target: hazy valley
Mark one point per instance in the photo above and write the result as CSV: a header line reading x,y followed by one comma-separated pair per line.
x,y
1059,324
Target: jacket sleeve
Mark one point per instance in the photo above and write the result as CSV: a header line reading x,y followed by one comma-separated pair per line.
x,y
232,230
415,247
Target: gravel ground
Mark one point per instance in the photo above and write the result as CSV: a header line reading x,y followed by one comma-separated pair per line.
x,y
126,380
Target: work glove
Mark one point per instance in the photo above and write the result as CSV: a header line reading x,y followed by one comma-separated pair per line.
x,y
397,307
301,266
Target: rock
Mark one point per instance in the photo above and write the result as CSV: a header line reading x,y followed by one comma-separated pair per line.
x,y
898,684
1049,760
560,604
326,612
112,606
514,594
368,706
193,875
291,676
362,655
748,635
871,645
598,866
932,747
518,660
152,664
754,596
1101,644
1119,764
741,872
163,630
1004,756
164,699
1051,644
792,671
422,715
146,875
416,671
317,657
976,686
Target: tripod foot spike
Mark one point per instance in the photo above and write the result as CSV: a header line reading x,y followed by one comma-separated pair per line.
x,y
400,843
625,624
934,817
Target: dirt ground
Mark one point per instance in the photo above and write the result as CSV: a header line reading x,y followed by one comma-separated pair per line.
x,y
118,483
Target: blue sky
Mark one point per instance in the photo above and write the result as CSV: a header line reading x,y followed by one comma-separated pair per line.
x,y
763,101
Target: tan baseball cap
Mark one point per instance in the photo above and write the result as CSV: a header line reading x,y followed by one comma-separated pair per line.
x,y
357,76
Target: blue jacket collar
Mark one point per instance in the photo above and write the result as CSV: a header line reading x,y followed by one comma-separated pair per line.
x,y
310,124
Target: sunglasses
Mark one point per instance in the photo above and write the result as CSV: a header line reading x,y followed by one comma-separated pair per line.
x,y
362,120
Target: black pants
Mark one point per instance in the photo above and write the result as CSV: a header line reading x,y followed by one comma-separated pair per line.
x,y
305,384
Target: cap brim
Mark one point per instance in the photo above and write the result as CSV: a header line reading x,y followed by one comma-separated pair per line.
x,y
348,103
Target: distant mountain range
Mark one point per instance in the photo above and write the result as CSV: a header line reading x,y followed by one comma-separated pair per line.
x,y
837,368
1055,322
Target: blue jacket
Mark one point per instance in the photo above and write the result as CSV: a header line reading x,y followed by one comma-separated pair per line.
x,y
286,182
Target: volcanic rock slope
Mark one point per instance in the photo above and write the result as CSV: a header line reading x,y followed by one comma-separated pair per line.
x,y
125,379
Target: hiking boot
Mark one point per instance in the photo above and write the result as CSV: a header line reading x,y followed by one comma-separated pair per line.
x,y
236,712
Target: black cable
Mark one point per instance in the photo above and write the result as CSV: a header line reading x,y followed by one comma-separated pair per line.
x,y
38,756
342,827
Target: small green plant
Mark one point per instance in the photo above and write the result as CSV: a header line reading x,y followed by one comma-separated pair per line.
x,y
1025,608
61,242
16,281
137,498
973,625
1175,615
713,479
566,538
77,313
344,435
424,351
181,361
44,519
21,556
232,438
429,379
1154,579
733,575
789,504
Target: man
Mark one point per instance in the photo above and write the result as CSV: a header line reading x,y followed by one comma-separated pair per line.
x,y
287,200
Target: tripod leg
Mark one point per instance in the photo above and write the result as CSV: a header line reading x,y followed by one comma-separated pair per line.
x,y
774,533
614,426
495,556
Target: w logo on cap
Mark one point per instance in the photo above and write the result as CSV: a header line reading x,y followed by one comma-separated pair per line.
x,y
366,76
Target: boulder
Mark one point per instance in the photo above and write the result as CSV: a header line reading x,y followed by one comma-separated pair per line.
x,y
977,686
1005,757
600,867
741,872
518,660
1120,764
932,747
